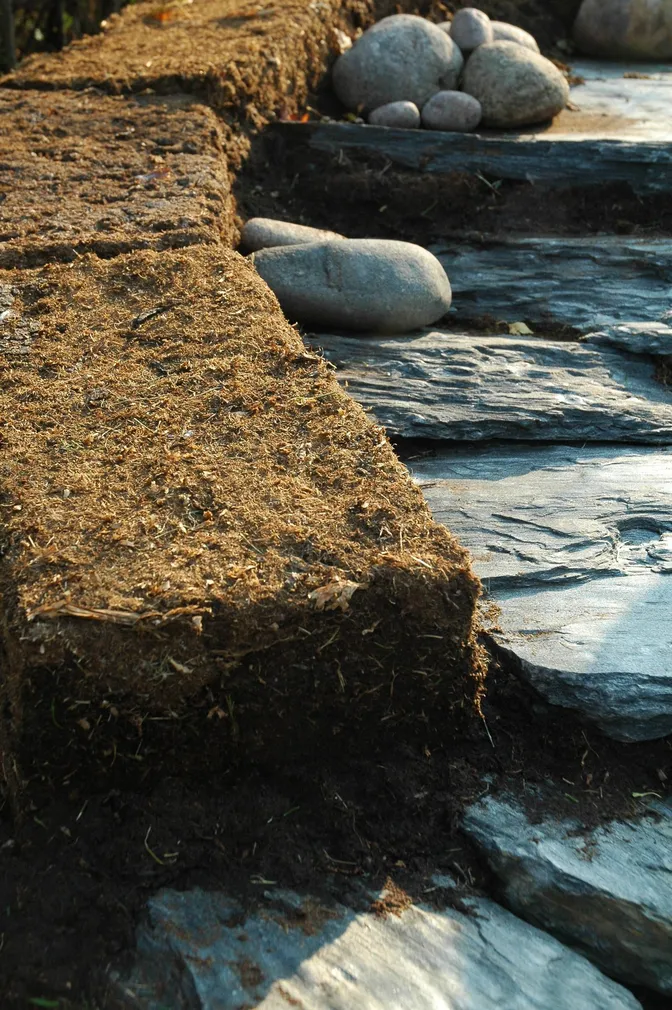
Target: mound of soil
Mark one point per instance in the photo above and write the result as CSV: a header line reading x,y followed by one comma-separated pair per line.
x,y
85,173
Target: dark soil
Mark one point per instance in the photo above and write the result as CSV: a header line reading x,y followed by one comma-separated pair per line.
x,y
79,868
367,197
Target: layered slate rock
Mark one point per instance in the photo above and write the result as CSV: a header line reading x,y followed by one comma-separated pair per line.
x,y
301,952
444,386
575,547
192,529
584,283
617,129
108,175
637,338
607,892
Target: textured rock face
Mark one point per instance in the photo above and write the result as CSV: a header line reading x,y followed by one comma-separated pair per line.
x,y
638,338
265,233
296,952
446,386
607,892
503,32
358,284
575,547
471,28
402,115
515,87
452,111
625,29
401,58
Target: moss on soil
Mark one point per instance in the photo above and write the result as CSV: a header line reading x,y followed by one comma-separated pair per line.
x,y
86,173
193,509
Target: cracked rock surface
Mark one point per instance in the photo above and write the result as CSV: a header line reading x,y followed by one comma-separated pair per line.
x,y
607,892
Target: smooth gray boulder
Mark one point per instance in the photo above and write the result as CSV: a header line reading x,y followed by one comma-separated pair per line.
x,y
607,892
452,111
374,285
401,115
265,233
401,58
625,29
515,86
471,28
574,546
504,32
638,338
204,951
443,385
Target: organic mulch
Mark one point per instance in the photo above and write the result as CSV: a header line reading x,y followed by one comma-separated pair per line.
x,y
204,538
251,61
87,173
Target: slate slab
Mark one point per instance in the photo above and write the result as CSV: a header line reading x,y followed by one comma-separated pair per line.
x,y
638,338
202,951
575,547
607,892
586,283
440,385
618,129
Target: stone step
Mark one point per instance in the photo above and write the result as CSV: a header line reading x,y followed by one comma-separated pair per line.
x,y
606,892
298,951
585,283
442,385
575,547
618,129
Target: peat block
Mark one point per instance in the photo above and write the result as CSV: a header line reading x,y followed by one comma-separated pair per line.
x,y
207,547
87,173
252,61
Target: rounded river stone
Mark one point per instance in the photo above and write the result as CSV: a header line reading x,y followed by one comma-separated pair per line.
x,y
403,115
515,87
452,110
625,29
266,232
471,28
402,58
504,32
369,285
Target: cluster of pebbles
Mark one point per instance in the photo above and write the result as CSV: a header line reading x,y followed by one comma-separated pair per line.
x,y
406,72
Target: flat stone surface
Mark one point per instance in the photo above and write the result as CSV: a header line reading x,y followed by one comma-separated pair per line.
x,y
298,952
586,283
447,386
638,338
607,892
575,547
86,173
